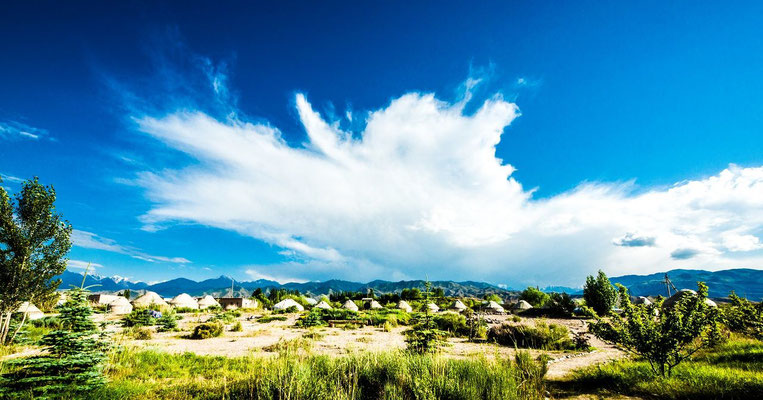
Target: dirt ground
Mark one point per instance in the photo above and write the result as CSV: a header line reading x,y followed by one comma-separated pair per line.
x,y
257,337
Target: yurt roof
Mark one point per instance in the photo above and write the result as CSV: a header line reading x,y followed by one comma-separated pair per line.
x,y
207,301
119,301
403,305
149,298
28,307
495,306
375,305
459,305
642,300
323,305
523,305
286,303
672,300
350,305
184,300
433,307
311,301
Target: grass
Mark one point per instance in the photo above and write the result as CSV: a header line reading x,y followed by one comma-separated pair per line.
x,y
152,374
730,371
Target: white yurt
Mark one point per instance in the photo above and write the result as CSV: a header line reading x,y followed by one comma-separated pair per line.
x,y
672,300
183,300
459,306
403,305
433,307
311,301
207,301
284,304
149,298
495,307
32,312
120,306
642,300
323,305
350,305
522,305
375,305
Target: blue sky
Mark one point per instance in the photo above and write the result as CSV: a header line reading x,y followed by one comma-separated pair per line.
x,y
643,113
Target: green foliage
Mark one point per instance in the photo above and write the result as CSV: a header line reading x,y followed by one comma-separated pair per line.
x,y
237,327
227,317
664,337
291,375
451,323
516,318
313,318
168,322
424,337
71,362
411,294
535,297
743,316
271,318
139,317
207,330
599,294
540,336
560,304
139,333
34,240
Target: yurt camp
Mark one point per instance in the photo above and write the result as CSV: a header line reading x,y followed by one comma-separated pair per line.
x,y
184,301
286,304
148,299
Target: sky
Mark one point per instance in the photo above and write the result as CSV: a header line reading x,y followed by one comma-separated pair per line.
x,y
517,143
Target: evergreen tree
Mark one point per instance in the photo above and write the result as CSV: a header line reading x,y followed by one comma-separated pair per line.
x,y
72,361
599,294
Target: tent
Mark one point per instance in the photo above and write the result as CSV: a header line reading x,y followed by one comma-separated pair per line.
x,y
311,301
32,312
350,305
207,301
120,306
184,301
284,304
375,305
495,307
102,298
672,300
403,305
433,307
149,298
522,305
642,300
458,305
323,305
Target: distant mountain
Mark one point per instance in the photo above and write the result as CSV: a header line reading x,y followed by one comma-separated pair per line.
x,y
98,283
745,282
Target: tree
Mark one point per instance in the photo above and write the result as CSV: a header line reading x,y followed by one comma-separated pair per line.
x,y
599,294
438,292
534,296
72,361
424,337
411,294
664,337
561,303
34,241
744,317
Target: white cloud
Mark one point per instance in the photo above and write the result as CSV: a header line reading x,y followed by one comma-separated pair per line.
x,y
14,130
420,191
79,264
254,274
90,240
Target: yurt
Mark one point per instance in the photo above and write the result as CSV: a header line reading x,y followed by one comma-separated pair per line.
x,y
32,312
285,304
207,301
403,305
120,306
642,300
375,305
522,305
433,307
101,298
311,301
495,308
459,306
350,305
323,305
184,301
672,300
149,298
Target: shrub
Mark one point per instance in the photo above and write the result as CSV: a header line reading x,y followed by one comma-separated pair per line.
x,y
516,318
236,327
139,317
668,338
227,317
140,333
387,327
167,323
599,294
454,324
561,304
313,318
541,336
535,297
207,330
270,318
743,316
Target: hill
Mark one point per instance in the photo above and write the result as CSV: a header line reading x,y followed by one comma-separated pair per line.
x,y
745,282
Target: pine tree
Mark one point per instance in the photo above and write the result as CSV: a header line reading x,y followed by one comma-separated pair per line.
x,y
72,361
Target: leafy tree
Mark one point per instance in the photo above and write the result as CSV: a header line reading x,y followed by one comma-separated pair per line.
x,y
425,337
664,337
561,304
34,241
411,294
493,297
438,292
534,296
72,361
744,317
599,294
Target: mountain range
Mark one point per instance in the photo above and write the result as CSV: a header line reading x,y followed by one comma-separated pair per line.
x,y
745,282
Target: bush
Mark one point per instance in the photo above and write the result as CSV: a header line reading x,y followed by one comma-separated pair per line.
x,y
561,304
599,294
139,317
535,297
516,318
237,327
454,324
140,333
207,330
270,318
743,316
167,323
541,336
227,317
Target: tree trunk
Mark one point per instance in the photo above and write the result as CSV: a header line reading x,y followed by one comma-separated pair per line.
x,y
23,319
4,321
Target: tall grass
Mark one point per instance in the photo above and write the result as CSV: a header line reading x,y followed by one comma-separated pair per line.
x,y
393,375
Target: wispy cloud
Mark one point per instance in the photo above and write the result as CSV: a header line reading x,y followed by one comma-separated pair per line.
x,y
90,240
11,178
420,191
14,130
79,264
